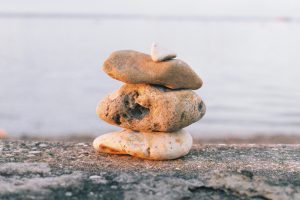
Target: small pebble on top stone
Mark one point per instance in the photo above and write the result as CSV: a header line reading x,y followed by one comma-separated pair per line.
x,y
159,54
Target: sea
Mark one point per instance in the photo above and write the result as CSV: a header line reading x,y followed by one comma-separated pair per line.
x,y
51,77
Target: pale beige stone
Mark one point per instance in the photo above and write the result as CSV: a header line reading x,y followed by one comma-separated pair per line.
x,y
148,145
134,67
159,53
143,107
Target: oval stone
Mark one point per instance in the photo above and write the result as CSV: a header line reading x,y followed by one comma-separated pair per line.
x,y
143,107
148,145
134,67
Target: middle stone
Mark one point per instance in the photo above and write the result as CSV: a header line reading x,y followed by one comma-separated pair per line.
x,y
143,107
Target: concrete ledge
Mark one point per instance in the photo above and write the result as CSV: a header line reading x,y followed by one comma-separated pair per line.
x,y
52,170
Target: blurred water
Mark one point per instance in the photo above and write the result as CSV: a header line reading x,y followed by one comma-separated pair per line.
x,y
50,77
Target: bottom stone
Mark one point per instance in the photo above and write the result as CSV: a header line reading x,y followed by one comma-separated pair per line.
x,y
148,145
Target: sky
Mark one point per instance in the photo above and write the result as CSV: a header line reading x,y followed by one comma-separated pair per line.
x,y
258,8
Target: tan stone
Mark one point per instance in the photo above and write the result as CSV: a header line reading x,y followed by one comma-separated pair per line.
x,y
134,67
148,145
143,107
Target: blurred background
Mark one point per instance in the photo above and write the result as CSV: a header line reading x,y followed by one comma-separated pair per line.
x,y
246,52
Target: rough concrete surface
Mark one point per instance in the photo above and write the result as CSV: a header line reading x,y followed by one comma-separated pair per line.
x,y
53,170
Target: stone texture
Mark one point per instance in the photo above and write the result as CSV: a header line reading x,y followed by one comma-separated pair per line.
x,y
148,145
143,107
159,54
230,172
134,67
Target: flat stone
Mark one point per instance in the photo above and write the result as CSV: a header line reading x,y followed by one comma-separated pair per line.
x,y
159,54
148,145
143,107
134,67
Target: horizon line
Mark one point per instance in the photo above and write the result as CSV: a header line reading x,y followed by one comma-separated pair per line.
x,y
206,18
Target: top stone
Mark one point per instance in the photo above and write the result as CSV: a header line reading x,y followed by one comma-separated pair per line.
x,y
134,67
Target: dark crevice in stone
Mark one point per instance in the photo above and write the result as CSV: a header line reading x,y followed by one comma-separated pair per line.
x,y
156,126
162,88
200,106
126,102
148,151
116,119
124,115
182,116
138,111
133,109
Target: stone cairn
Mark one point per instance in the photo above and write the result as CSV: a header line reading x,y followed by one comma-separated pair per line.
x,y
153,105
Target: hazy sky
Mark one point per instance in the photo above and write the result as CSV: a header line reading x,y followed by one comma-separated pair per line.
x,y
261,8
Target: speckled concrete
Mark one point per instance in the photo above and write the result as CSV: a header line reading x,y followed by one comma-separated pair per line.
x,y
52,170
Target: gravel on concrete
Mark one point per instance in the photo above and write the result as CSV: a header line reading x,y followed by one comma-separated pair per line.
x,y
62,170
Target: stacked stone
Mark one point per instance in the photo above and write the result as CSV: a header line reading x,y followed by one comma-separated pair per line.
x,y
153,105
